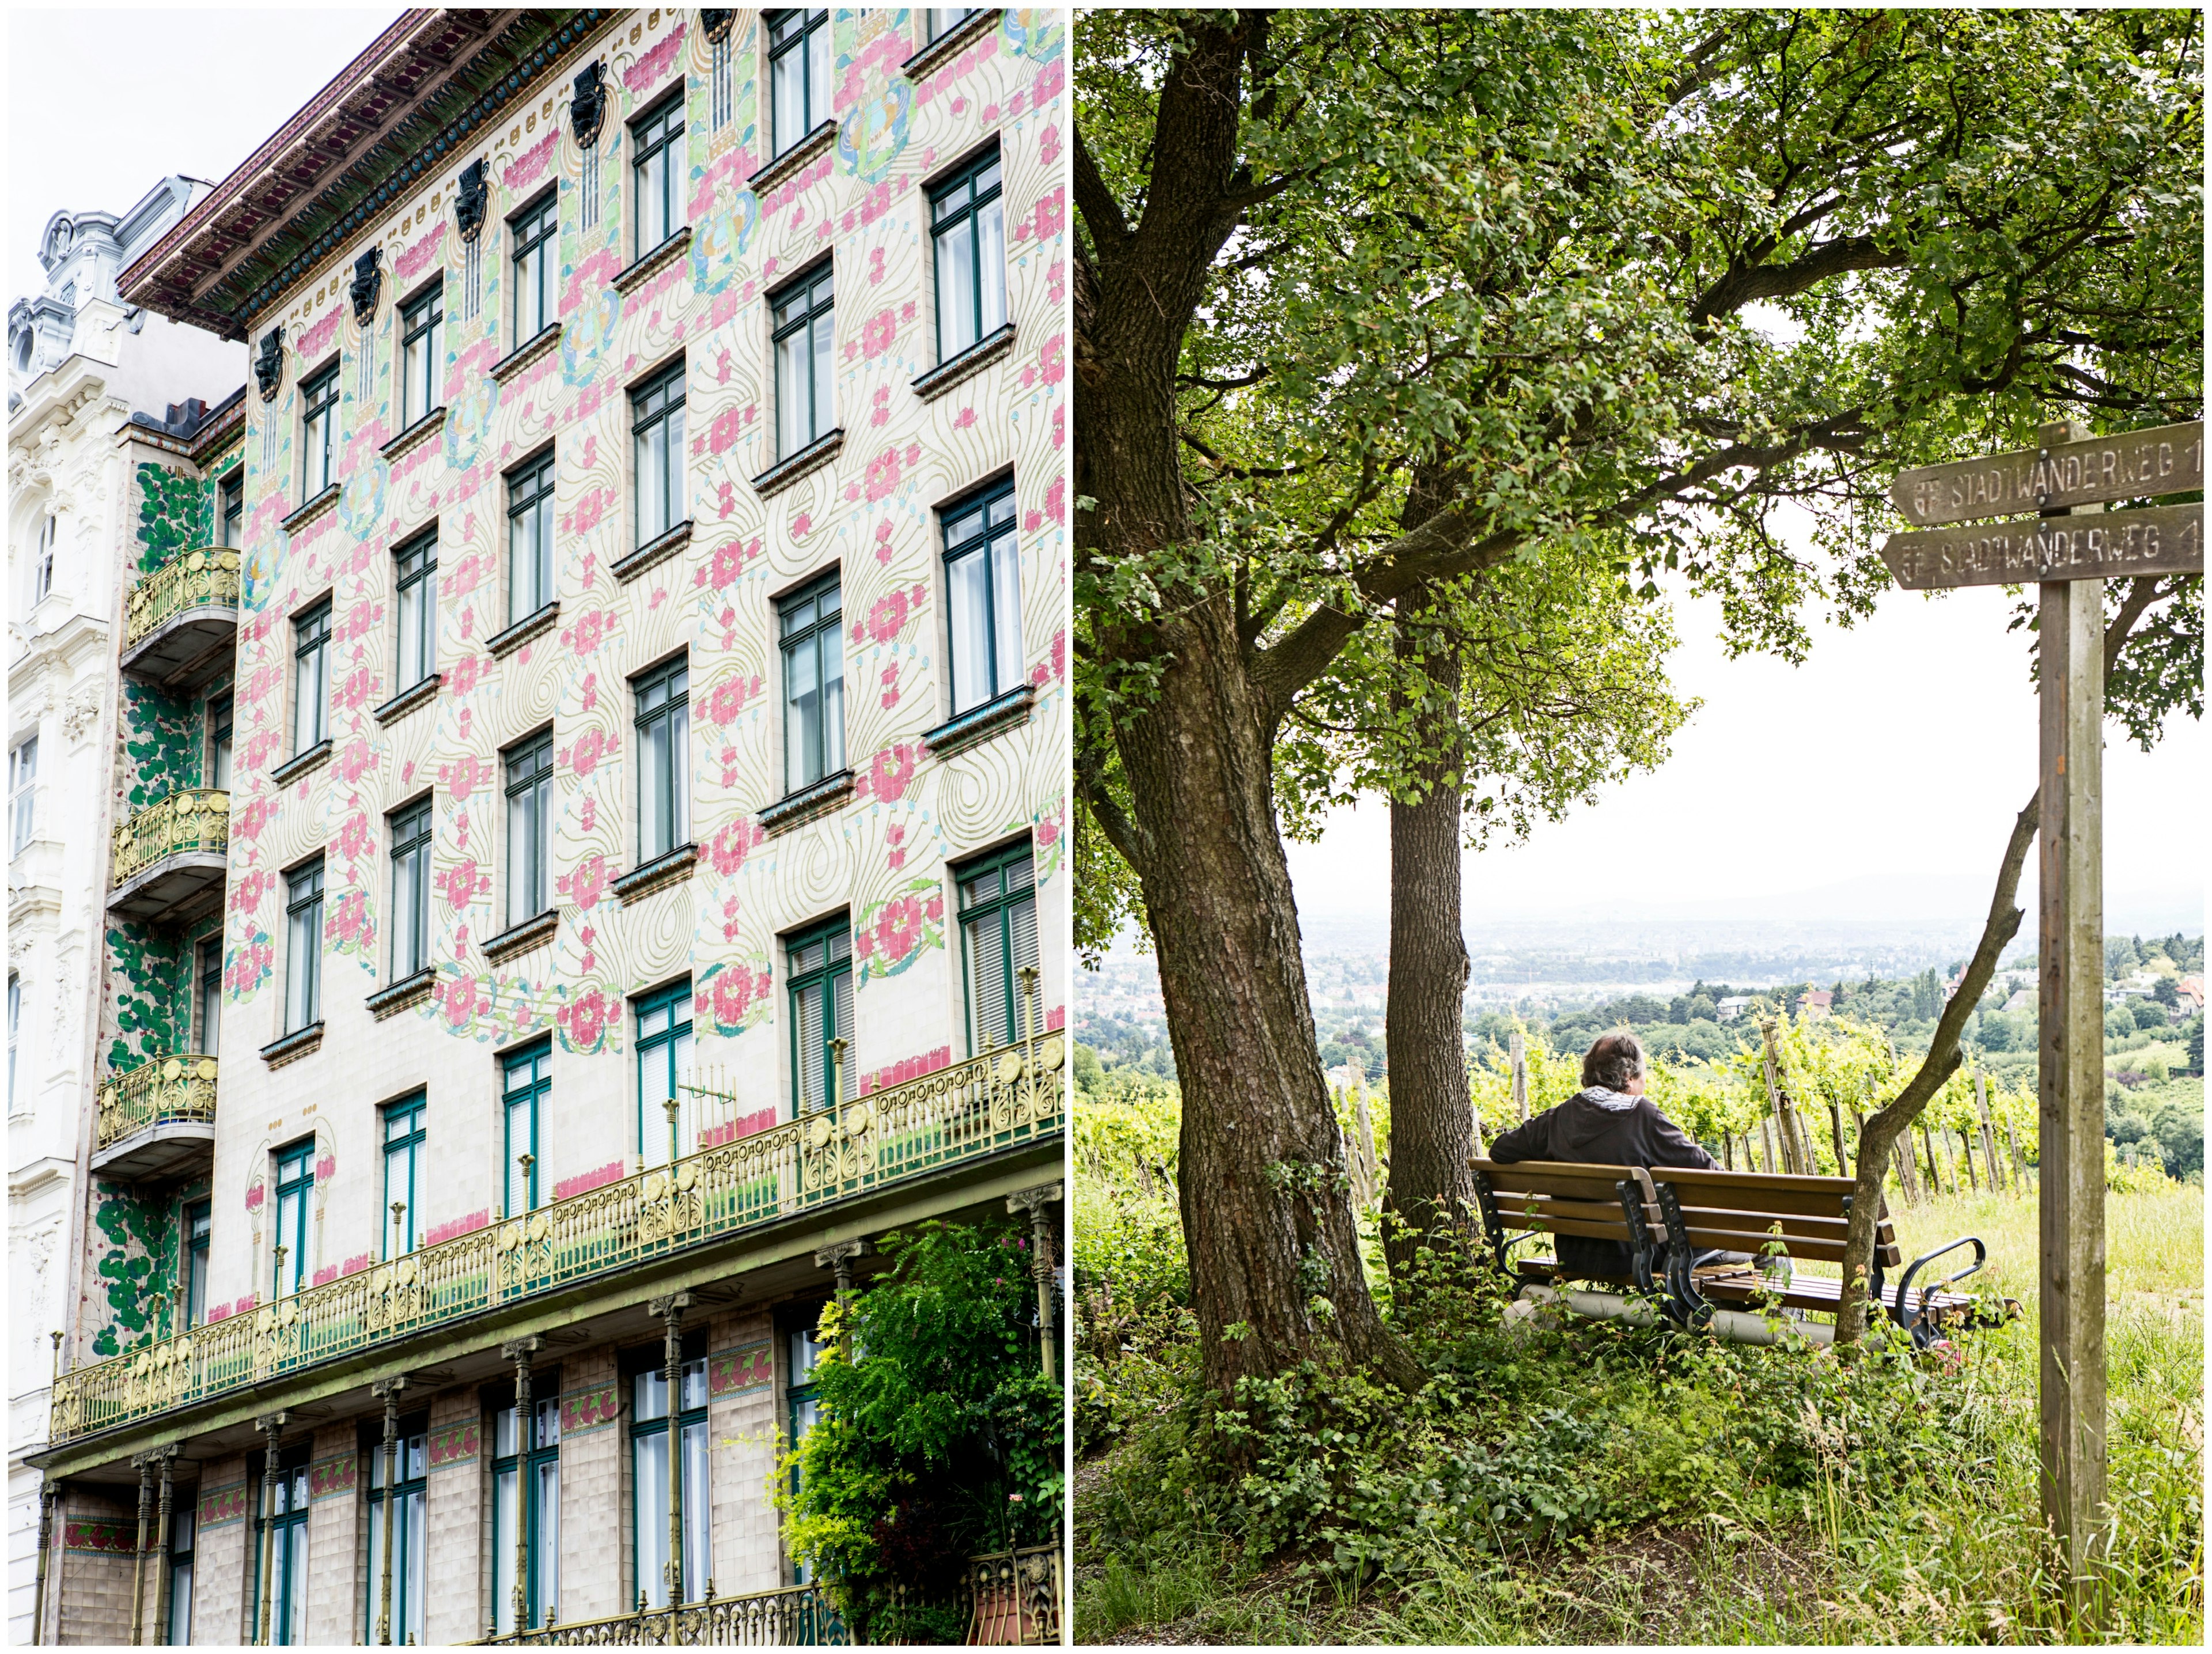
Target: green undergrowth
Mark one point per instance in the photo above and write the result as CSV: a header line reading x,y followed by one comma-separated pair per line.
x,y
1587,1481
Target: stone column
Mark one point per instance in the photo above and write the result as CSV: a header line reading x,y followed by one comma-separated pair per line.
x,y
519,1351
167,1458
49,1492
1038,1203
272,1427
144,1461
838,1257
387,1390
671,1311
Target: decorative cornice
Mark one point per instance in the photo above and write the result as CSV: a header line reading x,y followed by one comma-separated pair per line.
x,y
415,435
292,769
770,173
815,455
657,874
1007,711
294,1046
418,694
527,352
533,932
505,644
965,366
808,802
951,43
657,550
311,510
411,989
658,260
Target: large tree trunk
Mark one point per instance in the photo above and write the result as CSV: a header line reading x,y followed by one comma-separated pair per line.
x,y
1431,1129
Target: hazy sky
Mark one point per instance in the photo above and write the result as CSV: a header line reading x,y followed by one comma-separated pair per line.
x,y
103,104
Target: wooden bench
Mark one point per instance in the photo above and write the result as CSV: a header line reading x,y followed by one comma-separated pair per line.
x,y
1546,1197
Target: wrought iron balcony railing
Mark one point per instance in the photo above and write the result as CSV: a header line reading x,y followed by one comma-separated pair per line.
x,y
192,579
998,1101
192,818
167,1091
794,1616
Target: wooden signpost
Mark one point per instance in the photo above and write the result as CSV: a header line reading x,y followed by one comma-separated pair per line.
x,y
2067,550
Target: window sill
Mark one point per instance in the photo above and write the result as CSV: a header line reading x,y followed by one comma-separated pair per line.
x,y
416,695
407,990
1004,712
531,933
661,871
812,458
653,263
795,809
294,1046
950,44
784,166
415,435
311,509
502,644
969,362
292,769
528,352
657,550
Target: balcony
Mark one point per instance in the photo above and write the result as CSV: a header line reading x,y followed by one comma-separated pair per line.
x,y
180,622
170,853
1012,1099
157,1120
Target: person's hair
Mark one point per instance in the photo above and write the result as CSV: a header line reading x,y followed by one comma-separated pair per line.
x,y
1614,1061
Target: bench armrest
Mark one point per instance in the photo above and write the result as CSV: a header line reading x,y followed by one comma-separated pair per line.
x,y
1907,1318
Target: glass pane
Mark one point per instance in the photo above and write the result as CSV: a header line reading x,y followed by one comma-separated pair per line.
x,y
180,1603
787,93
650,1470
986,981
955,291
811,1094
817,75
679,775
1006,613
413,1554
696,1560
505,1517
675,422
820,419
970,628
802,717
832,699
991,258
791,418
546,1547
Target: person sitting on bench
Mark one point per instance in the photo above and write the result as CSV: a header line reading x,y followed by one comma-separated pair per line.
x,y
1608,1122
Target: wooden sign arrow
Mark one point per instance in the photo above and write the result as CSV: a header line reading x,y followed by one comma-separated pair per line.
x,y
2154,540
2132,466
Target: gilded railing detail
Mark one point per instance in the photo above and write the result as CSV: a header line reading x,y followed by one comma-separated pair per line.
x,y
162,1092
1014,1597
973,1109
792,1616
188,820
188,580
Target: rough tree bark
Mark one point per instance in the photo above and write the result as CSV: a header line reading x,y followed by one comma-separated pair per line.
x,y
1431,1129
1886,1126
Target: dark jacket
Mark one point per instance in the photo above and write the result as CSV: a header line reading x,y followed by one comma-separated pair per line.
x,y
1580,1130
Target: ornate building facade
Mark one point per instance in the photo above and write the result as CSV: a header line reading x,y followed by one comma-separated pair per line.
x,y
589,856
100,397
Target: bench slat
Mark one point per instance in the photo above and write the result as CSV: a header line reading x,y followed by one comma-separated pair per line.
x,y
1544,1177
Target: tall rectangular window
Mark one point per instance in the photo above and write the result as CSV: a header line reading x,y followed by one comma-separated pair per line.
x,y
318,419
526,1479
415,570
22,794
663,698
812,626
664,1069
288,1547
183,1538
296,1193
529,538
231,508
211,997
803,317
219,741
404,1183
799,71
718,80
311,678
422,354
410,890
15,1032
526,1076
529,827
534,231
970,229
42,569
303,940
983,596
657,163
199,1231
998,938
649,1477
409,1535
657,431
819,967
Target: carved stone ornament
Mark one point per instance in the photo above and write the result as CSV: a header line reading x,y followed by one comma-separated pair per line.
x,y
469,205
716,23
368,283
589,107
82,712
269,365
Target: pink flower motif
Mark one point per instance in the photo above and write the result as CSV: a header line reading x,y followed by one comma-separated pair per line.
x,y
933,909
245,894
963,419
248,822
1049,81
875,266
880,410
728,699
898,927
590,508
466,673
886,615
724,431
461,1002
802,525
255,1193
591,630
460,881
882,475
590,747
587,884
587,1018
463,774
325,1168
1054,358
727,849
889,772
1056,500
878,332
355,760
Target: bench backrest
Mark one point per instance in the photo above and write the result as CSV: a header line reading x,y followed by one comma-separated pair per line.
x,y
1736,1212
1563,1199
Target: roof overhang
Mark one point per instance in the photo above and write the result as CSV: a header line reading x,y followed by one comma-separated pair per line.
x,y
394,117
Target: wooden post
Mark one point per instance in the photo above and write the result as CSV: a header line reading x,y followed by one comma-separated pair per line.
x,y
1778,1100
145,1464
1517,1050
1474,1114
49,1492
2070,1065
1767,1145
388,1392
168,1456
1989,1132
671,1310
1836,1126
271,1426
1934,1172
2019,1160
519,1351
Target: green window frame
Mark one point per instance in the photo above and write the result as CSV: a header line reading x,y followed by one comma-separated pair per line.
x,y
295,1189
410,889
318,419
799,72
311,676
303,937
657,162
529,826
220,740
803,325
406,1129
818,966
410,1535
210,997
231,510
998,937
536,266
525,1076
968,235
184,1540
982,596
648,1435
535,1471
199,1229
287,1545
415,599
529,509
656,414
663,1065
811,627
662,700
422,354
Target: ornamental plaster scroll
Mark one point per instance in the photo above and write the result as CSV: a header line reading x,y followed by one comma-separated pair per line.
x,y
82,713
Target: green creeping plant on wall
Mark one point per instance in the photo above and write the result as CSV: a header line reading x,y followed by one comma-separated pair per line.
x,y
139,1262
176,512
152,1007
161,736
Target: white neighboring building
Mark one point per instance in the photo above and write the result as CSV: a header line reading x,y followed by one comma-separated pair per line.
x,y
80,365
